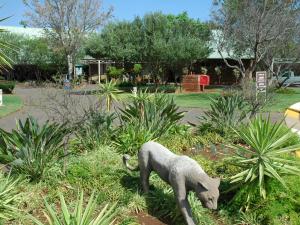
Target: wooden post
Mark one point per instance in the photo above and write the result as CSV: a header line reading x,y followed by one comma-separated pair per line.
x,y
99,71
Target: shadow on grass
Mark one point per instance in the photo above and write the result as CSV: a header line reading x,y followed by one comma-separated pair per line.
x,y
160,202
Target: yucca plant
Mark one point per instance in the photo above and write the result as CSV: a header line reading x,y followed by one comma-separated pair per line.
x,y
264,155
226,112
31,148
81,215
146,118
8,197
5,61
110,92
157,113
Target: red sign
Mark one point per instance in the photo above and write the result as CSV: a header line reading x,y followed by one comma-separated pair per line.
x,y
204,80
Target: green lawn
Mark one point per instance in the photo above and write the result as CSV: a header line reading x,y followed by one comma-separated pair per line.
x,y
194,100
201,100
11,103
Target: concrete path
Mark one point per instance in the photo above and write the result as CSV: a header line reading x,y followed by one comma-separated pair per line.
x,y
40,102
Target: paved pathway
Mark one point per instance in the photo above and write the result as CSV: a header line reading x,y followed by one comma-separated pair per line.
x,y
35,98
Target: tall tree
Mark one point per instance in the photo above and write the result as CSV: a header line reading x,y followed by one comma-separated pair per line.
x,y
254,28
67,22
160,41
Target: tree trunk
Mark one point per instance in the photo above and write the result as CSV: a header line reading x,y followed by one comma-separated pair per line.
x,y
70,67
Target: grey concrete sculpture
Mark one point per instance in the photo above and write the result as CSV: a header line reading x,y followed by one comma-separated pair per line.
x,y
181,172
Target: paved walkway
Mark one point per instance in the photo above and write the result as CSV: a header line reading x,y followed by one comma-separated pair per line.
x,y
35,100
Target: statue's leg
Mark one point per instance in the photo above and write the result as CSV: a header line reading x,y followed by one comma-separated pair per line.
x,y
182,200
145,171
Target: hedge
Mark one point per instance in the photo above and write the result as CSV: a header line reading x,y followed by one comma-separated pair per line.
x,y
7,87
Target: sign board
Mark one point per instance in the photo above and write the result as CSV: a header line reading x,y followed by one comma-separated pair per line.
x,y
261,81
67,85
1,98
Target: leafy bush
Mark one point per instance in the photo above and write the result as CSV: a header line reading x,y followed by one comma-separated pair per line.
x,y
80,215
262,158
8,197
148,117
31,149
225,112
114,72
7,86
96,130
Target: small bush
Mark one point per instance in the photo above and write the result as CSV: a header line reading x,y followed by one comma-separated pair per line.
x,y
84,215
147,118
225,112
262,158
31,149
96,130
7,87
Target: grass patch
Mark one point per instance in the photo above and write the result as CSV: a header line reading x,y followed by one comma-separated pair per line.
x,y
11,103
279,103
282,101
194,100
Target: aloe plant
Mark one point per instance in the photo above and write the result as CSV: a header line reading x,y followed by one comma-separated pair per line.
x,y
8,197
32,148
83,215
263,156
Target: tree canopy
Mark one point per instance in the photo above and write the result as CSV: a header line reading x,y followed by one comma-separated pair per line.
x,y
161,41
256,28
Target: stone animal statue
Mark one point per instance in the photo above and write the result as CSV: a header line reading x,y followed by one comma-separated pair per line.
x,y
181,172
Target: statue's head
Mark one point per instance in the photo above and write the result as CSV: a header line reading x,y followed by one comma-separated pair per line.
x,y
208,192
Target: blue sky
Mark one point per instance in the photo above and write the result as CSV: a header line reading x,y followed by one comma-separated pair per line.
x,y
123,9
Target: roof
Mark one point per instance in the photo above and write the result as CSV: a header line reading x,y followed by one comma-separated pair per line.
x,y
213,44
28,31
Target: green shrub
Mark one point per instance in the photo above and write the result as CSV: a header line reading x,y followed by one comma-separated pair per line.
x,y
96,130
31,149
225,112
263,157
7,86
114,72
84,215
131,137
148,117
8,197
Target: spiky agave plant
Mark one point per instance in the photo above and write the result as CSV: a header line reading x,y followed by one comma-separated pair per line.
x,y
263,156
83,215
32,148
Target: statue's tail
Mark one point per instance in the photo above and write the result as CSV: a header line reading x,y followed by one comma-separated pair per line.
x,y
128,166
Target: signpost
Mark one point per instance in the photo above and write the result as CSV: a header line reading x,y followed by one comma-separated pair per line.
x,y
261,83
1,98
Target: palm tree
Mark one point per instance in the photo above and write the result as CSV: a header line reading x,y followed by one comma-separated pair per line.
x,y
110,92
